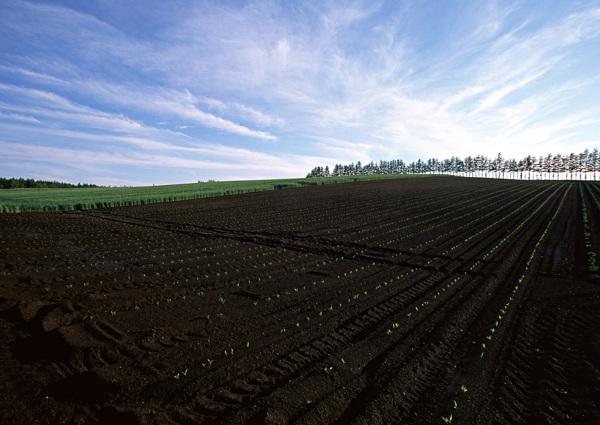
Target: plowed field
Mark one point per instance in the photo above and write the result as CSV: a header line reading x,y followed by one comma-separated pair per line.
x,y
420,301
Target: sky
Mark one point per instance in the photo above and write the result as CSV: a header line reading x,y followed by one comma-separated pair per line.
x,y
143,92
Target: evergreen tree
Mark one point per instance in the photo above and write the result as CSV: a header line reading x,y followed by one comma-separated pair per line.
x,y
594,161
585,165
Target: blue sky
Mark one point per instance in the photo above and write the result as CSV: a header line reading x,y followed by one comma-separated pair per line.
x,y
152,92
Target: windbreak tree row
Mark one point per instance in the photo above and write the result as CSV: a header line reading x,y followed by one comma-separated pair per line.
x,y
582,166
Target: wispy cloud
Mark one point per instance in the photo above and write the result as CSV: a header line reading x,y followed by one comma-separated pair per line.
x,y
18,117
272,86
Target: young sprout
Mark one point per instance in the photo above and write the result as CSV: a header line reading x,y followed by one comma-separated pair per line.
x,y
448,419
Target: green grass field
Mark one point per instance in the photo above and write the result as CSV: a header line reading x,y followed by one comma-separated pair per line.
x,y
21,200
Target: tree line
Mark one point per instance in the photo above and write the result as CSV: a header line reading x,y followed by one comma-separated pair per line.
x,y
582,166
21,183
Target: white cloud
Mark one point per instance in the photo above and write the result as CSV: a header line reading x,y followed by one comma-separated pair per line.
x,y
18,117
93,161
182,104
366,81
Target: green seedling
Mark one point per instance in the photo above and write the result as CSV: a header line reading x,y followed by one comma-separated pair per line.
x,y
447,419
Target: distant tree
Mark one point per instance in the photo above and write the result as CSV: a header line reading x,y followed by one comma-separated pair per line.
x,y
594,161
529,162
459,166
538,166
479,165
557,165
571,165
583,163
549,167
497,165
21,183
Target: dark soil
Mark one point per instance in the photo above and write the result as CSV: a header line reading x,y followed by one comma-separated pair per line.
x,y
420,301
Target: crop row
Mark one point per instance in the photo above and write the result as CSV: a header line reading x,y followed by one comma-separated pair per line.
x,y
51,199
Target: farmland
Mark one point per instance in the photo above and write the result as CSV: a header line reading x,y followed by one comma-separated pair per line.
x,y
421,301
44,199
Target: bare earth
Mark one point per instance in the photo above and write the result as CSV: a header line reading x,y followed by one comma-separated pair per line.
x,y
419,301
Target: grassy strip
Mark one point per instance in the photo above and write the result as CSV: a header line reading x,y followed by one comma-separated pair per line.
x,y
22,200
